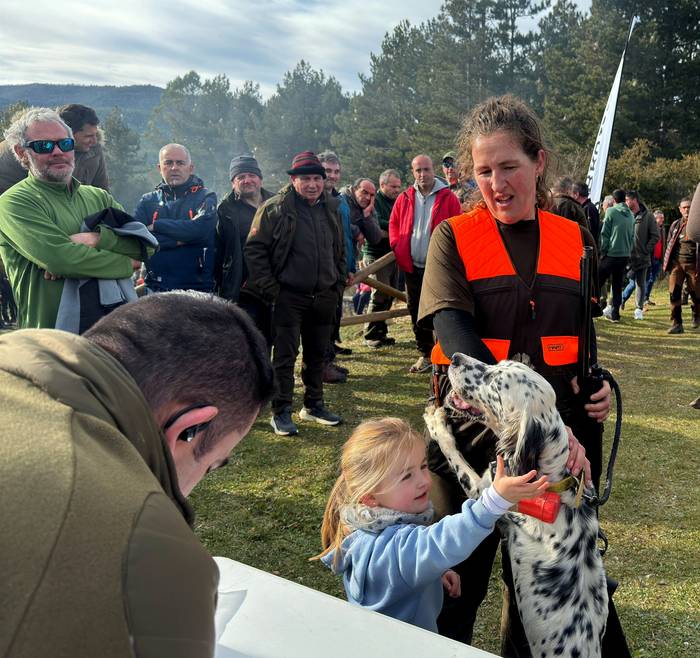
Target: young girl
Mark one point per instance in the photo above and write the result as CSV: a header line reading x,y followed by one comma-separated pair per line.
x,y
377,527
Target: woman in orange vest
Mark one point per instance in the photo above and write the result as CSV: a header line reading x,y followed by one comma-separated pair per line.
x,y
502,281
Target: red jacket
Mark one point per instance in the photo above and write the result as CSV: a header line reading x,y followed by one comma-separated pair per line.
x,y
401,221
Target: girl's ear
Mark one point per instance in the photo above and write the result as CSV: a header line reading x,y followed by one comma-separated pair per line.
x,y
369,500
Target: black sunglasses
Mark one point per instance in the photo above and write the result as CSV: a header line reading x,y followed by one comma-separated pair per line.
x,y
448,164
44,146
188,434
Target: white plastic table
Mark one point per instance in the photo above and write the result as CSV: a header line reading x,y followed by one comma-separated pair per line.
x,y
263,616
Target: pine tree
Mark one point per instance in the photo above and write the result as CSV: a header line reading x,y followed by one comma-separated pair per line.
x,y
126,165
299,116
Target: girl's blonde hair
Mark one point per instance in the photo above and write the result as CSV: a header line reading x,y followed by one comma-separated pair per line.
x,y
508,114
374,449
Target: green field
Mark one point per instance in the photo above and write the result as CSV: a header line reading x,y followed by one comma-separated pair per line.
x,y
265,508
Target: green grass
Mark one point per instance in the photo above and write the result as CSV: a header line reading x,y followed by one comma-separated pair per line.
x,y
265,509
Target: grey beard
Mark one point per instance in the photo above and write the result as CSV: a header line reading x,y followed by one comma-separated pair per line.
x,y
48,177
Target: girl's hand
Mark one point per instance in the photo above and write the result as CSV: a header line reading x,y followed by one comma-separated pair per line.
x,y
517,488
452,583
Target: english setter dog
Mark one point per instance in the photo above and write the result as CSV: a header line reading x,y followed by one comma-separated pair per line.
x,y
558,574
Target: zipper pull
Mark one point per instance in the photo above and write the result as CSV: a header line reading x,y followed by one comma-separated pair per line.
x,y
532,309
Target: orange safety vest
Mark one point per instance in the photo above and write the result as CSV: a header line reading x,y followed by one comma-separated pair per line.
x,y
542,319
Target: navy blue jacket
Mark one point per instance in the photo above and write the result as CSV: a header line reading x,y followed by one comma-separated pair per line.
x,y
184,219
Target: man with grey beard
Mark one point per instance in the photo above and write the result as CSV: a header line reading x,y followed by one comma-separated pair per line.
x,y
41,242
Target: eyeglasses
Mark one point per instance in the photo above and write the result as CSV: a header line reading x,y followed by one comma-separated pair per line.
x,y
44,146
188,434
448,164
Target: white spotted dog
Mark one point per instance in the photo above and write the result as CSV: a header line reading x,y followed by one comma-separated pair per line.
x,y
558,574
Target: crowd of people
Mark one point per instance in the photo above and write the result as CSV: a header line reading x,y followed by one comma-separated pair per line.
x,y
489,256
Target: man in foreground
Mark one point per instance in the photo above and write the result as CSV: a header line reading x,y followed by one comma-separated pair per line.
x,y
101,439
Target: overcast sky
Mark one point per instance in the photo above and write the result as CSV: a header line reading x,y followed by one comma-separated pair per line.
x,y
152,41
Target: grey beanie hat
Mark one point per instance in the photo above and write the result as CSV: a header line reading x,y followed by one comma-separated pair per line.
x,y
244,164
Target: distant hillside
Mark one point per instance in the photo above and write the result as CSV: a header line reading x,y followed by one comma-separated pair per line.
x,y
136,101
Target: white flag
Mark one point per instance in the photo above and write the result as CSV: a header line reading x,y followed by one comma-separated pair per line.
x,y
599,159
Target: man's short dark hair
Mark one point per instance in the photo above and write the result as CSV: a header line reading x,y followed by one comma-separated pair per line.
x,y
581,189
618,195
361,180
192,348
77,116
632,194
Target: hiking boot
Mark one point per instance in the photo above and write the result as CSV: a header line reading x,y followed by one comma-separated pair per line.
x,y
638,314
339,349
282,423
332,375
424,364
340,368
676,329
319,413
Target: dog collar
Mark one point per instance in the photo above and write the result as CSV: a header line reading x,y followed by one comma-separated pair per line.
x,y
570,482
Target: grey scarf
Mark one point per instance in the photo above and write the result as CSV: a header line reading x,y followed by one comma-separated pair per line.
x,y
376,519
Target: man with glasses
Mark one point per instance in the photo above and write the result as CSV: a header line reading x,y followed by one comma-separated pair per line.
x,y
102,438
90,167
41,242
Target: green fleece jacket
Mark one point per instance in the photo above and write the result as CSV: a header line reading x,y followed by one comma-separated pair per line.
x,y
36,222
98,557
617,234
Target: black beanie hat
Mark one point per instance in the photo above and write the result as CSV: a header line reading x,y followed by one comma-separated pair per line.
x,y
242,164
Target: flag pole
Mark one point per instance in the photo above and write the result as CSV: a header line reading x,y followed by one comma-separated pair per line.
x,y
599,158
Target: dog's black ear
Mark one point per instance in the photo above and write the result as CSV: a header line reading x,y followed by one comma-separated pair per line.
x,y
530,443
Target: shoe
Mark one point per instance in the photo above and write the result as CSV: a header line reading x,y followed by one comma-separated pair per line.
x,y
676,329
340,368
282,423
622,306
648,302
331,375
696,323
376,343
607,311
339,349
638,314
320,414
422,365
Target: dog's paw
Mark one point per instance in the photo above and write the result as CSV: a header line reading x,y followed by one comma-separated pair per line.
x,y
435,419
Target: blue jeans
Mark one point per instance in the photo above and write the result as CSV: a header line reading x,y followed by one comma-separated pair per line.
x,y
637,281
651,277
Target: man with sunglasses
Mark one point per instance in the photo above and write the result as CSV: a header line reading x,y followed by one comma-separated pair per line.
x,y
41,242
102,438
90,167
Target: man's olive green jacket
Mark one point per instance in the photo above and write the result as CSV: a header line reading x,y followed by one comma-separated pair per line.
x,y
98,558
